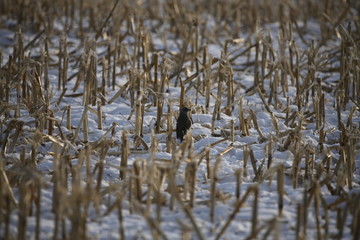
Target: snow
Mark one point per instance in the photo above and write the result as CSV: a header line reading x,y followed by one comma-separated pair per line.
x,y
102,224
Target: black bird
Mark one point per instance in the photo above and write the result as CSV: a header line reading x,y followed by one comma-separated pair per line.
x,y
183,123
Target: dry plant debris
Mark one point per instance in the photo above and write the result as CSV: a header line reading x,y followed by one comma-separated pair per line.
x,y
89,96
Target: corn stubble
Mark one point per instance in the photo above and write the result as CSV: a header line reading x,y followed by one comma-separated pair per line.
x,y
25,88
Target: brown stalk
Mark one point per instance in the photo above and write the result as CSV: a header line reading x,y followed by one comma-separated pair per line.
x,y
182,94
190,175
230,94
115,61
104,75
350,162
152,172
51,124
107,65
296,165
255,213
65,63
262,97
155,82
190,216
207,157
265,46
280,188
138,179
232,131
162,171
262,138
8,210
131,193
242,121
356,222
77,218
253,163
82,121
340,221
275,123
198,82
15,137
86,126
300,212
62,42
270,152
172,184
215,113
305,204
256,66
183,52
350,117
169,121
237,207
92,79
23,211
213,188
138,118
121,218
56,195
207,83
245,159
239,179
98,33
205,70
120,92
124,155
160,98
38,211
45,57
204,61
221,82
316,206
100,166
154,225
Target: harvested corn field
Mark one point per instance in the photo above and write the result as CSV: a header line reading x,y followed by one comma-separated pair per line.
x,y
91,92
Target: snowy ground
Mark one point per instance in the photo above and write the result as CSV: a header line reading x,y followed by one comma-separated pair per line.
x,y
105,224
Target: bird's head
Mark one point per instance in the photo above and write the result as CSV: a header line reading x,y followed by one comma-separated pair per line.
x,y
185,110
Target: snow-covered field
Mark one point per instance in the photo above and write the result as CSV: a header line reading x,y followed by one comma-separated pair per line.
x,y
266,158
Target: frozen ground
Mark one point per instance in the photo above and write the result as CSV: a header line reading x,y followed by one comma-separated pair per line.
x,y
104,224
